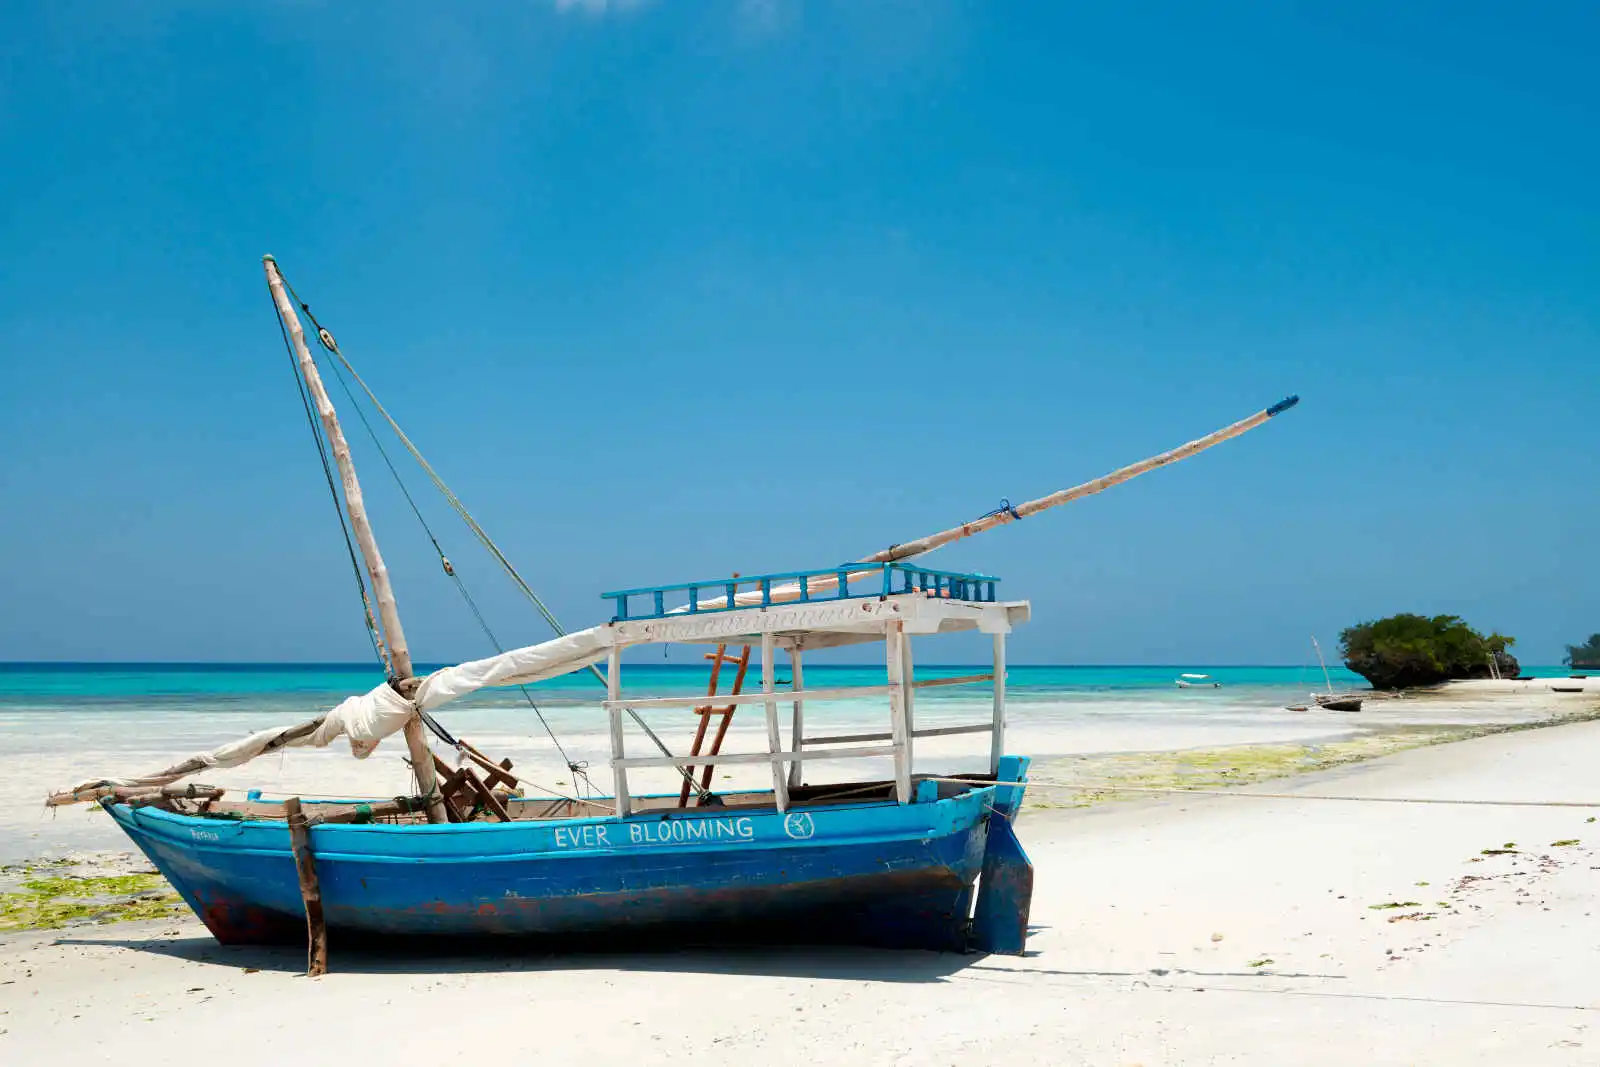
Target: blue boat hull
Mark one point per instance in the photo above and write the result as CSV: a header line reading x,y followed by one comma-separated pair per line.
x,y
878,873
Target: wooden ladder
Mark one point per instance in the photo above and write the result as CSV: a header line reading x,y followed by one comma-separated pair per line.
x,y
718,658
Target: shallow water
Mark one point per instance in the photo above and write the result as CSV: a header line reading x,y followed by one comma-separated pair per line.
x,y
62,723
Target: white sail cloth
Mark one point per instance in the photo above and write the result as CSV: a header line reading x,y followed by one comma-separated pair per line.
x,y
520,666
369,718
366,720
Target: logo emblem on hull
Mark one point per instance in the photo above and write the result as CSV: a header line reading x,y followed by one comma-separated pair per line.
x,y
798,825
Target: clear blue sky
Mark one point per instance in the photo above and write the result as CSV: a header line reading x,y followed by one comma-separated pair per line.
x,y
673,288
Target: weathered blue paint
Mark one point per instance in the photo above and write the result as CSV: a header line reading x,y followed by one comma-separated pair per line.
x,y
874,873
1008,798
896,578
1000,923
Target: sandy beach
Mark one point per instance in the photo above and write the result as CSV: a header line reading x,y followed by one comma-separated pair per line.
x,y
1166,930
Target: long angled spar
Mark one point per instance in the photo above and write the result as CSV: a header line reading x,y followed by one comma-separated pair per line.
x,y
1077,492
1004,515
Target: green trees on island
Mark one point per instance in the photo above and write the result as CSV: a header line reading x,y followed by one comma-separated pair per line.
x,y
1585,656
1410,650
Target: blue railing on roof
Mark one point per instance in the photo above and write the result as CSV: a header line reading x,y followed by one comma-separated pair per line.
x,y
852,581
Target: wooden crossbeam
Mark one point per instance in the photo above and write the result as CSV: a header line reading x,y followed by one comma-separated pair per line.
x,y
463,791
494,773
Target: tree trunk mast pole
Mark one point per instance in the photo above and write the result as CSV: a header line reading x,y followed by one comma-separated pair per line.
x,y
388,613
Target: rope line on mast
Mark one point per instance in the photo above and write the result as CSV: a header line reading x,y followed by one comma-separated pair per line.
x,y
433,475
577,768
376,638
328,342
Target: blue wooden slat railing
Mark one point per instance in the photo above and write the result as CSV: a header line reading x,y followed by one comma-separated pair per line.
x,y
897,578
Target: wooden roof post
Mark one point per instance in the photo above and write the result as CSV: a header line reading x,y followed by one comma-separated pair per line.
x,y
997,741
780,776
897,710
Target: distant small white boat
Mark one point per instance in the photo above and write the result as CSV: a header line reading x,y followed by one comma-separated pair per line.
x,y
1198,681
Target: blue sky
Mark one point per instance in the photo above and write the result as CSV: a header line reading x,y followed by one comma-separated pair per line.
x,y
668,289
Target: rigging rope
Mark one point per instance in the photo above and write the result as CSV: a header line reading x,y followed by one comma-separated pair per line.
x,y
578,769
328,342
433,475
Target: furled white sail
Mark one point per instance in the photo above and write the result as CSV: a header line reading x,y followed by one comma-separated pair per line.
x,y
369,718
520,666
366,720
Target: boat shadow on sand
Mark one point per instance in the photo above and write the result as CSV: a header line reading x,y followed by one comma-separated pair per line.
x,y
664,954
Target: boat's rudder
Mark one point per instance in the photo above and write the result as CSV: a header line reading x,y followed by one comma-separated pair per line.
x,y
1005,889
1005,893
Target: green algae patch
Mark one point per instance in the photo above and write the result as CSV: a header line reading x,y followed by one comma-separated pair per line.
x,y
1096,779
1122,776
45,902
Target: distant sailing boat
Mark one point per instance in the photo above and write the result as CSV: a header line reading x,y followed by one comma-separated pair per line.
x,y
1333,701
1198,681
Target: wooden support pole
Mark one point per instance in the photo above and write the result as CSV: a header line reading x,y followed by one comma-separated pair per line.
x,y
897,712
780,773
997,741
382,591
908,683
614,714
797,732
310,891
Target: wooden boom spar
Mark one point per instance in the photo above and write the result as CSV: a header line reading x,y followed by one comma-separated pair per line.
x,y
1002,516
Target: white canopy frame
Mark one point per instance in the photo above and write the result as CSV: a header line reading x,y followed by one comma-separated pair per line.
x,y
794,629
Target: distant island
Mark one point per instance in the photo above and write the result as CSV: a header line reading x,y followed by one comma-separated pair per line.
x,y
1407,650
1585,657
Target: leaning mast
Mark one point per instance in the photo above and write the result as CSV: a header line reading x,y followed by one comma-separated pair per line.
x,y
401,674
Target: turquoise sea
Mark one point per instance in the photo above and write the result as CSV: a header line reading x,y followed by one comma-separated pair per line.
x,y
181,707
63,722
67,692
250,688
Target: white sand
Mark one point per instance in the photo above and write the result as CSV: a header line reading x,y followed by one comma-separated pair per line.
x,y
1152,919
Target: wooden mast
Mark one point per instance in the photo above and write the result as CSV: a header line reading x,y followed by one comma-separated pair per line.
x,y
1326,677
388,613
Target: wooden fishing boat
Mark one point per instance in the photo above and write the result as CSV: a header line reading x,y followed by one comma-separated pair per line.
x,y
882,862
897,858
1330,700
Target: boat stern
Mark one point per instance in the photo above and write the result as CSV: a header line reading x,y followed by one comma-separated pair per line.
x,y
1005,886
